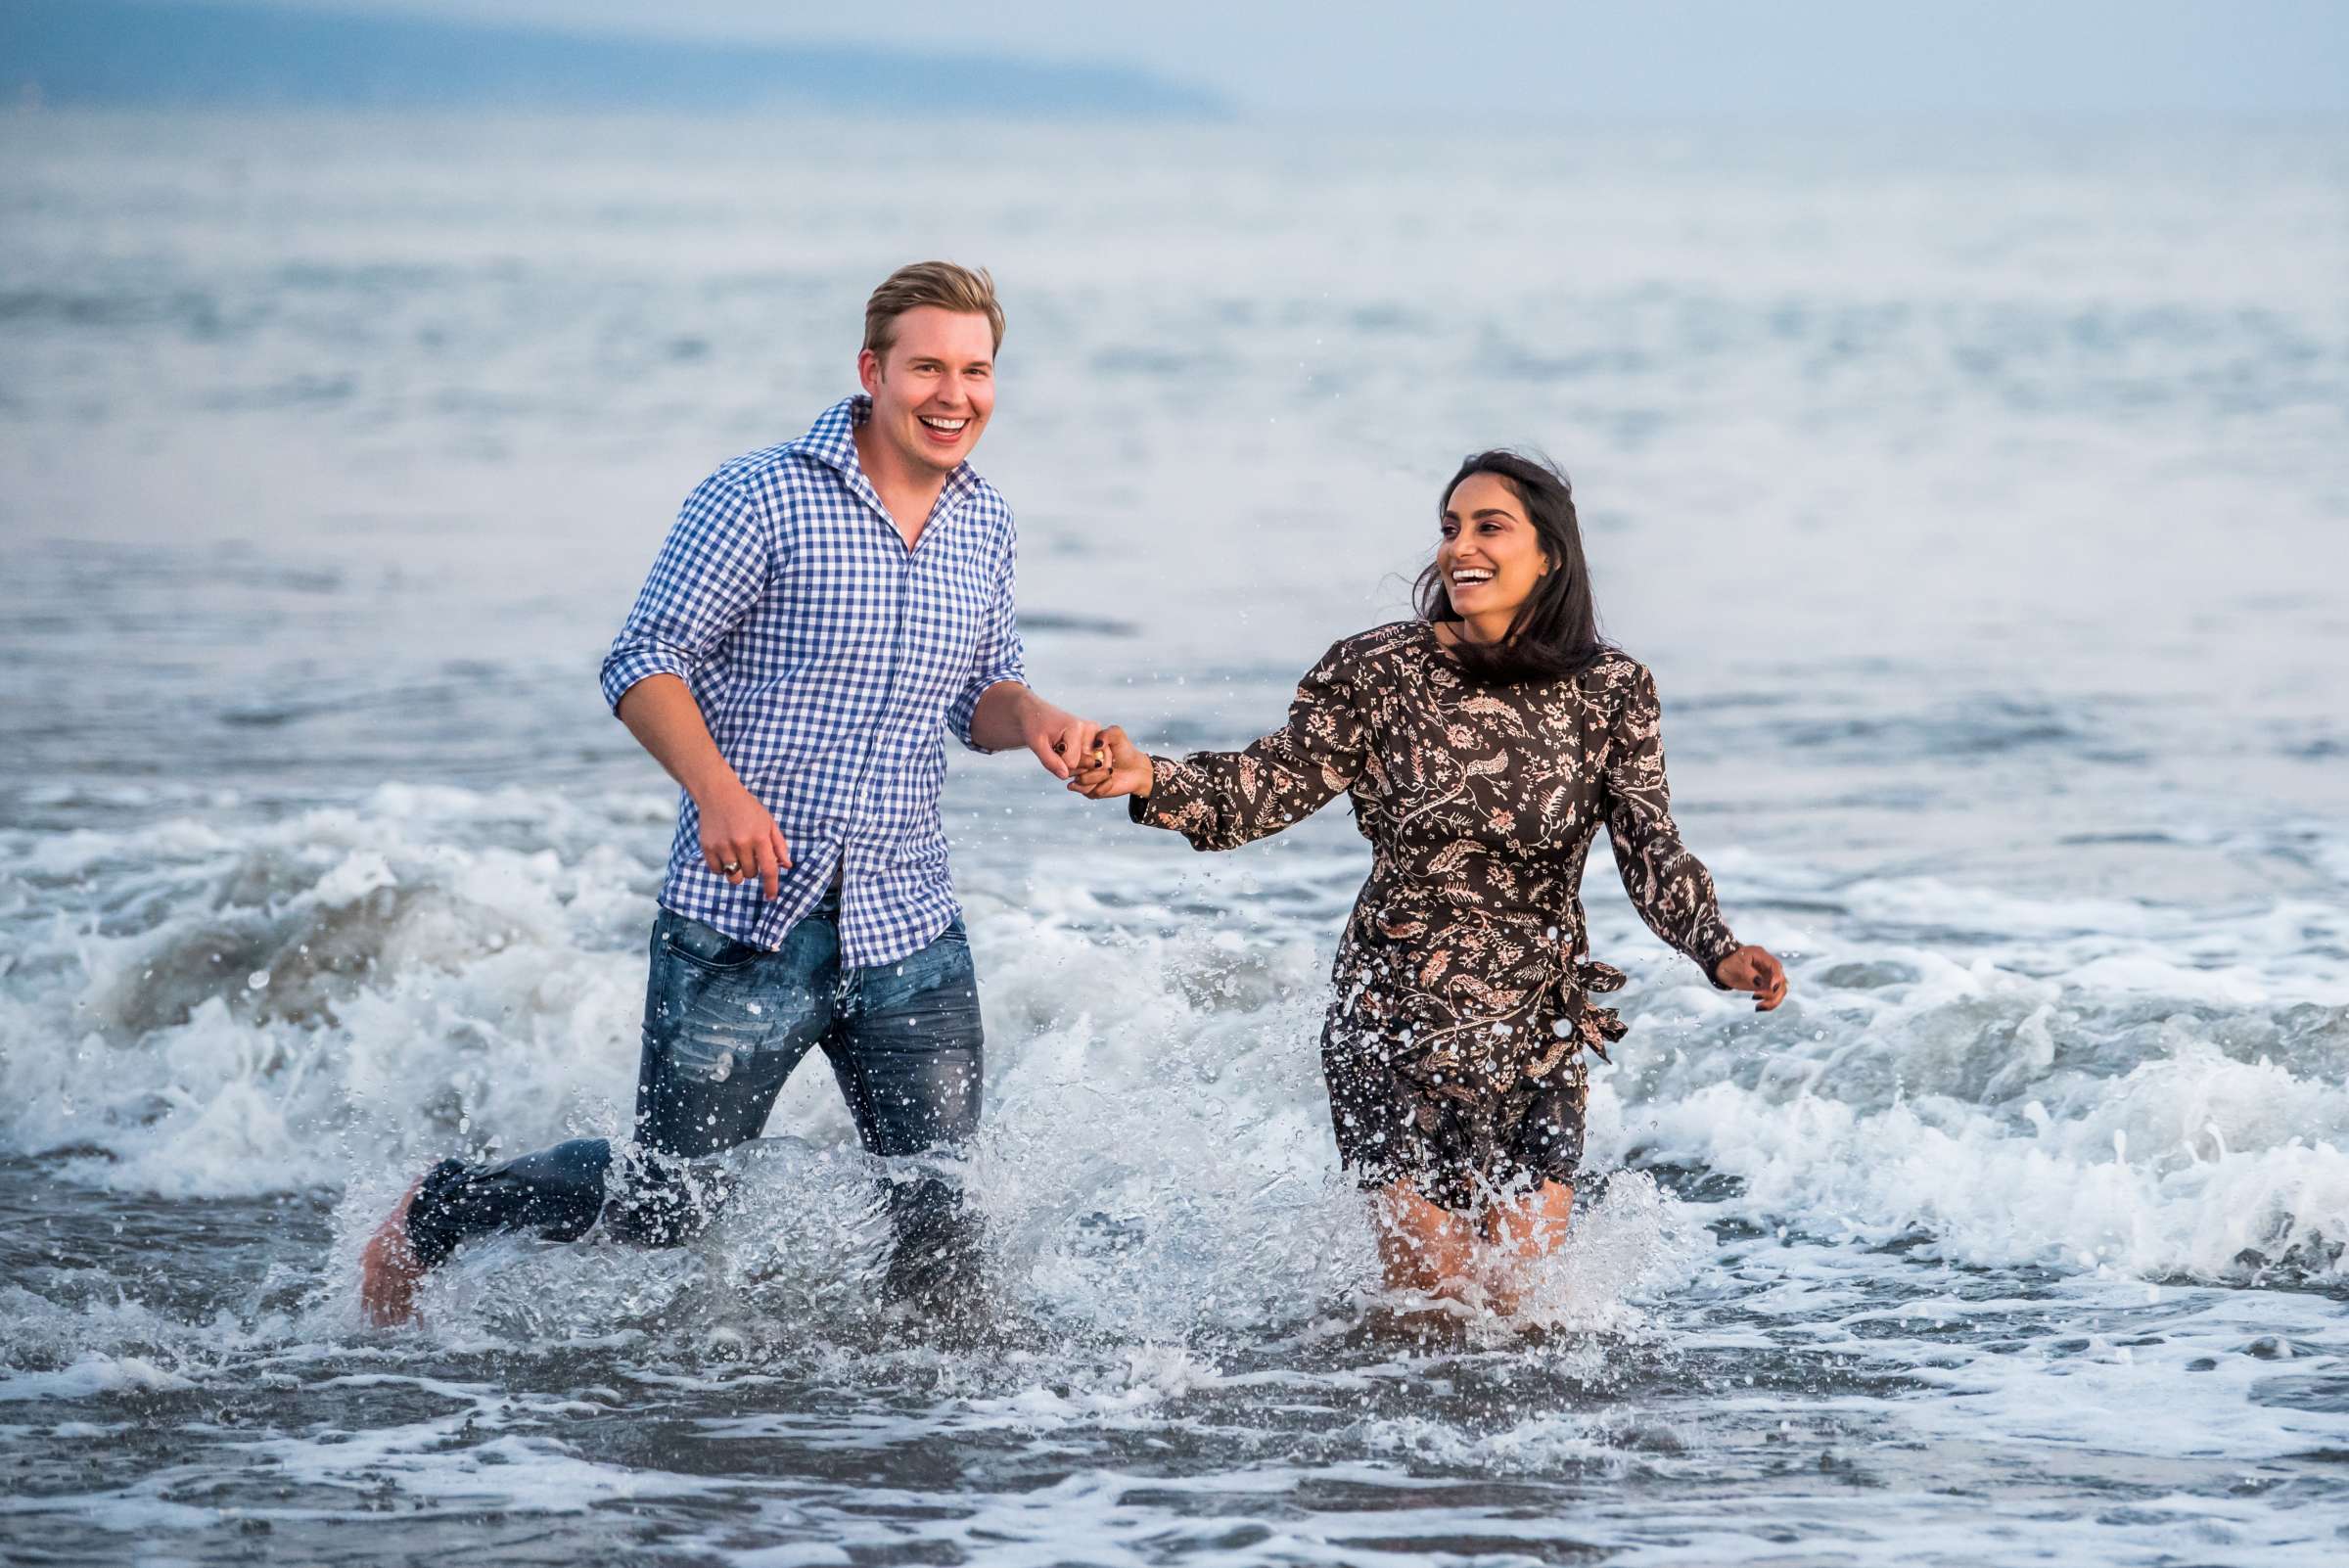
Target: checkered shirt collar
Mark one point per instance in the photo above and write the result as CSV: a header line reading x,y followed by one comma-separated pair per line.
x,y
832,442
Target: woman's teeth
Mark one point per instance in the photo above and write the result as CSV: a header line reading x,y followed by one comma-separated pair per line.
x,y
1470,580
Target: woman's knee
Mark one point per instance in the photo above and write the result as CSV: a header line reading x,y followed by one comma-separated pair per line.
x,y
1421,1243
1533,1225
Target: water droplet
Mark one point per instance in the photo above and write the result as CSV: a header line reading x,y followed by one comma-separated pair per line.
x,y
258,979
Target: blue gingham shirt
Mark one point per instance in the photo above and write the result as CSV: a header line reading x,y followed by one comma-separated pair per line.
x,y
830,662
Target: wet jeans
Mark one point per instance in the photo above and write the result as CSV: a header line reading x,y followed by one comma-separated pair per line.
x,y
724,1024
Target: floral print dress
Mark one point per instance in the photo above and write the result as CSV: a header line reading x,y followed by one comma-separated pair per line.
x,y
1455,1047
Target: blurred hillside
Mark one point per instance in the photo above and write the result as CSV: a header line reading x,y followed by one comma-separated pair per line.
x,y
143,52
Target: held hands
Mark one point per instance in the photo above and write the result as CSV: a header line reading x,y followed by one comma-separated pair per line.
x,y
1116,767
1059,739
1754,969
740,840
1093,761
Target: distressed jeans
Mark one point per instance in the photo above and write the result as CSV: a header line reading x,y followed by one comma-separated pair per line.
x,y
725,1025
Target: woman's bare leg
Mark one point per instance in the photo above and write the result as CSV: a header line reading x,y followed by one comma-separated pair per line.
x,y
1424,1247
1522,1233
1436,1252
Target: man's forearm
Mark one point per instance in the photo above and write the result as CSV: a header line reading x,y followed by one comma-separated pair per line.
x,y
1008,715
998,723
661,713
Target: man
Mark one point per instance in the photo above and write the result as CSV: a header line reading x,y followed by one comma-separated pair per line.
x,y
821,613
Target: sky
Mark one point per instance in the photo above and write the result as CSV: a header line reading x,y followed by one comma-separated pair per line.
x,y
1510,60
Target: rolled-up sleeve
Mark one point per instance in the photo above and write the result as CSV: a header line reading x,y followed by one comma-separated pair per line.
x,y
999,657
709,575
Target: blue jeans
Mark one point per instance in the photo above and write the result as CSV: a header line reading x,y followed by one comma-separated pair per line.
x,y
724,1024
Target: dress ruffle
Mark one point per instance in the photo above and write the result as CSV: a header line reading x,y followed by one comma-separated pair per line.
x,y
1594,1029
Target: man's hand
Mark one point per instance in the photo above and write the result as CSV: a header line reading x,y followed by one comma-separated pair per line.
x,y
1754,969
739,840
1060,740
1115,768
1009,715
736,830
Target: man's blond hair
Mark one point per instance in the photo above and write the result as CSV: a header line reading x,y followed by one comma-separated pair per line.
x,y
929,283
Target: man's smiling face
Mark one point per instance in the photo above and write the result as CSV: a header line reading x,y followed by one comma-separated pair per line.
x,y
934,388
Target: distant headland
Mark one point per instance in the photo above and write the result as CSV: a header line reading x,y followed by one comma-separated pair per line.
x,y
145,53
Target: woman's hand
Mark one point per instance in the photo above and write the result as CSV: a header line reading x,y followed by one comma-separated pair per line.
x,y
1115,766
1754,969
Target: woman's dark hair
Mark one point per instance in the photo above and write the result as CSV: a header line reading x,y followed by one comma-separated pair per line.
x,y
1556,631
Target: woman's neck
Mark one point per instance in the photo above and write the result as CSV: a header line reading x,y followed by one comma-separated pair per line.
x,y
1488,631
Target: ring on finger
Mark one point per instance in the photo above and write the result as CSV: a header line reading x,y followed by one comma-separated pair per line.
x,y
732,868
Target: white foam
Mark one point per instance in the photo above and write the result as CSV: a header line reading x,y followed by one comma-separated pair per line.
x,y
91,1374
1148,1090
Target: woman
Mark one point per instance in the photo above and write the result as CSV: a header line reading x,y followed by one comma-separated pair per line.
x,y
1483,744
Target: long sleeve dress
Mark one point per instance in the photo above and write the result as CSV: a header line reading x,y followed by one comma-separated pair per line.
x,y
1455,1044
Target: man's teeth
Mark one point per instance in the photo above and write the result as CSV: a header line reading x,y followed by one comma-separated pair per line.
x,y
948,425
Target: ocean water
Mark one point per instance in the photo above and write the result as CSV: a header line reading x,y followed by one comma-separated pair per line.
x,y
1978,499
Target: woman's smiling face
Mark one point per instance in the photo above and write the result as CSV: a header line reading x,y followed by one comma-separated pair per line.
x,y
1490,558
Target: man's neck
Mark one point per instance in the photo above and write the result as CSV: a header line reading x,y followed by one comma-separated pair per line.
x,y
907,491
